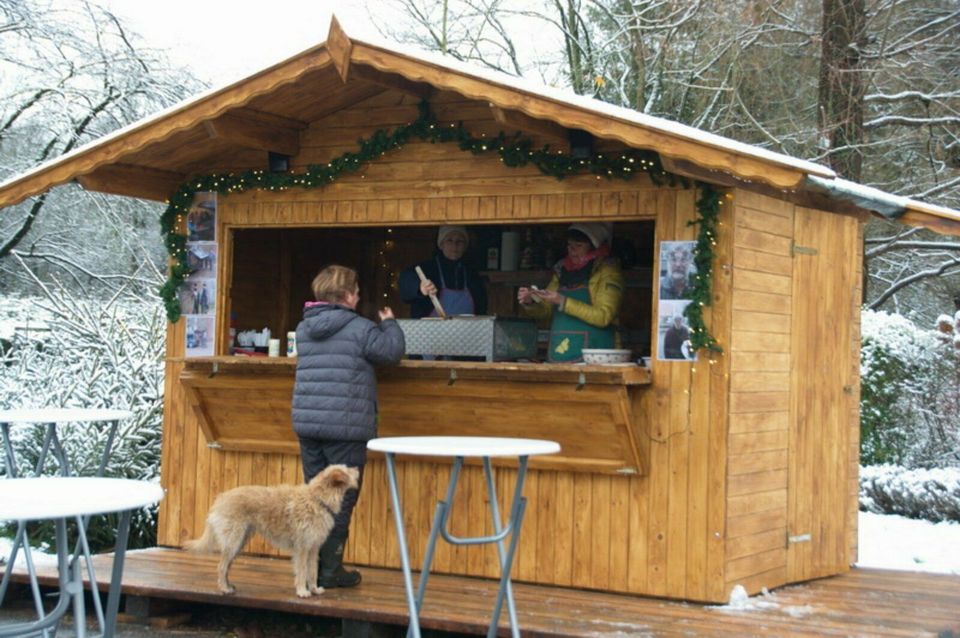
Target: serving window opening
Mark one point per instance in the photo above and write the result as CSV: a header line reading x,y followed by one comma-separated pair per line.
x,y
270,271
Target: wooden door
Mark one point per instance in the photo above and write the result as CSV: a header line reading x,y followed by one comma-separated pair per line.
x,y
824,283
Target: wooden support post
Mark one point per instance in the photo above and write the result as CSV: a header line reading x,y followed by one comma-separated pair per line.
x,y
365,629
159,613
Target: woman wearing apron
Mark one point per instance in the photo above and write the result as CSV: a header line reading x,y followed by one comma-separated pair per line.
x,y
583,298
458,287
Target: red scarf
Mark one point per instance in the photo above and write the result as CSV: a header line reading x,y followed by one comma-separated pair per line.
x,y
569,263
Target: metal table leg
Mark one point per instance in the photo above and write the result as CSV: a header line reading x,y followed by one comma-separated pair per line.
x,y
21,539
514,522
439,523
119,554
82,548
71,590
82,545
401,538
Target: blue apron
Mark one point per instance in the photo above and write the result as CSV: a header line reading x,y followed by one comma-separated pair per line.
x,y
454,302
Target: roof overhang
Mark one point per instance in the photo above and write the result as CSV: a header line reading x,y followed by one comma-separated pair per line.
x,y
152,157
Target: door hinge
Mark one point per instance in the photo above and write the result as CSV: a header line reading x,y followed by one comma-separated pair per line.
x,y
798,538
796,249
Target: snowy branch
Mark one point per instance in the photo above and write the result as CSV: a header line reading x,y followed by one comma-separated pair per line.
x,y
950,266
901,120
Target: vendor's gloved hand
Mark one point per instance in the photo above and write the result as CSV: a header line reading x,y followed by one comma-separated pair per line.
x,y
427,288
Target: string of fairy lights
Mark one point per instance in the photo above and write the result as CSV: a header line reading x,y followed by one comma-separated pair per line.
x,y
514,151
383,254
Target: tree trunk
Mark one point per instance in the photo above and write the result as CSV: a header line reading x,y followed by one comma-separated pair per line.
x,y
842,85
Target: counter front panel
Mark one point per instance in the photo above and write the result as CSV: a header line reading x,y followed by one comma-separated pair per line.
x,y
243,404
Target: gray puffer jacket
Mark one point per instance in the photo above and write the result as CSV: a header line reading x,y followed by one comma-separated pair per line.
x,y
335,394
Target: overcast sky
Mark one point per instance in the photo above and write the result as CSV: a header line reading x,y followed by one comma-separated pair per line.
x,y
225,40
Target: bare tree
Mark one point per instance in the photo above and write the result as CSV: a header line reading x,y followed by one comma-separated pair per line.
x,y
478,31
68,76
913,272
871,87
841,94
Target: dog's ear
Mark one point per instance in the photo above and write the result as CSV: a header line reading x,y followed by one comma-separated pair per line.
x,y
339,478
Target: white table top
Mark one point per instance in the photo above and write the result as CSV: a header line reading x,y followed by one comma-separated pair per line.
x,y
66,496
463,446
62,415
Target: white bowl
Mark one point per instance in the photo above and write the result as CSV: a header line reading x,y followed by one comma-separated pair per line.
x,y
605,355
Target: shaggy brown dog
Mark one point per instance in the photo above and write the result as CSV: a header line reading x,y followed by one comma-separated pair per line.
x,y
295,518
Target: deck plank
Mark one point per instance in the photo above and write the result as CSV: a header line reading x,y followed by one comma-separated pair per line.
x,y
862,602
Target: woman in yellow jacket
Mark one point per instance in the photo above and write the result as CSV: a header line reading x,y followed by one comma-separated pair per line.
x,y
583,298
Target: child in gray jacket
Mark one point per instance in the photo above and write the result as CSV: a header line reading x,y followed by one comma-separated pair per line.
x,y
335,393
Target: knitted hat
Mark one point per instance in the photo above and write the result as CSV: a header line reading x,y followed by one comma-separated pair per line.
x,y
446,230
596,232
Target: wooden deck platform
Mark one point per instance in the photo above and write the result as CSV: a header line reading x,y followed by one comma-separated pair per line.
x,y
863,602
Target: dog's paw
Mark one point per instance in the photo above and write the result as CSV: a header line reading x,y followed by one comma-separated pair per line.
x,y
303,593
316,590
229,589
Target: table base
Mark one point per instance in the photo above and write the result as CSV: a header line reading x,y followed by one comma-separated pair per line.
x,y
439,528
82,548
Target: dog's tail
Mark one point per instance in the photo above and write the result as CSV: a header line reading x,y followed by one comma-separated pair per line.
x,y
206,543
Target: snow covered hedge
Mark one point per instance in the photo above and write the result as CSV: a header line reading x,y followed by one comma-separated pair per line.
x,y
63,350
929,494
910,392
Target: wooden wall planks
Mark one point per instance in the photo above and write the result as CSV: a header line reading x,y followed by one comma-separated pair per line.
x,y
711,510
759,390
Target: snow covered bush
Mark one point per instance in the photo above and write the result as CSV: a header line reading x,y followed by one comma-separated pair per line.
x,y
65,350
910,394
932,494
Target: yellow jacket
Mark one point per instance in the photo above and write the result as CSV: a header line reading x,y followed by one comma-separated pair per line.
x,y
606,291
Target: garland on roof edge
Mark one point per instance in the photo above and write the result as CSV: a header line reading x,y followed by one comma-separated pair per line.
x,y
514,150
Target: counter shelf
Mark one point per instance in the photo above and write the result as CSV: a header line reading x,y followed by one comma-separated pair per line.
x,y
243,404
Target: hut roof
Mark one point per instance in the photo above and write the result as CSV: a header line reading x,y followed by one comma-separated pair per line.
x,y
266,111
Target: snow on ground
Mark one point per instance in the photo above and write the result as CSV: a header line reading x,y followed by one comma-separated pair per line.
x,y
895,542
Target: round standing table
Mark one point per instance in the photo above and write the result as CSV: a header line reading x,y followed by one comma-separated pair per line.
x,y
460,447
62,497
51,418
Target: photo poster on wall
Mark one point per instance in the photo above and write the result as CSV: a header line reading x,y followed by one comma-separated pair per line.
x,y
678,274
198,294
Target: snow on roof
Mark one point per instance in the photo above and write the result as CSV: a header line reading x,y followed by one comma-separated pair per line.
x,y
567,96
819,177
886,204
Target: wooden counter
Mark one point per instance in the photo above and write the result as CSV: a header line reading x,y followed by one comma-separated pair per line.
x,y
243,404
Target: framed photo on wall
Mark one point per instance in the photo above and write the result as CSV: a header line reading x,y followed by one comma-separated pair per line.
x,y
678,276
198,293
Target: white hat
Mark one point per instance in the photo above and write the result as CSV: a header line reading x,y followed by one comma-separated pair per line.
x,y
446,230
597,232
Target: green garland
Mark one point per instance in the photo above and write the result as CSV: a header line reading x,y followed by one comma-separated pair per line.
x,y
708,209
514,151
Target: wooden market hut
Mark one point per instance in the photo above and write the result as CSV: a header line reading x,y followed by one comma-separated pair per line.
x,y
681,481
